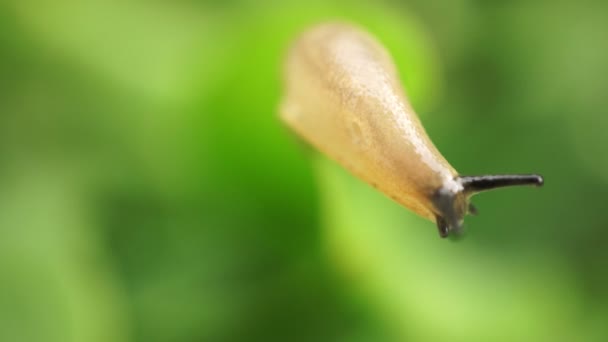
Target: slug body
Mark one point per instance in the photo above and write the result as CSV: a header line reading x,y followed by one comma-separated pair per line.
x,y
343,96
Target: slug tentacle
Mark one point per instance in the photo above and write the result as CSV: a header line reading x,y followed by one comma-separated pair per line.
x,y
472,210
451,207
475,184
442,227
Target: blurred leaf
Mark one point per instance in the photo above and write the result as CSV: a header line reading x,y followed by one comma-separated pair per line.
x,y
434,289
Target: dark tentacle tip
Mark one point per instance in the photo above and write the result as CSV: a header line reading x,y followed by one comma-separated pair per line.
x,y
442,227
472,210
476,184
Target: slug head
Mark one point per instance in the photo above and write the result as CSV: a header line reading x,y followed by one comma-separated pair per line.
x,y
451,207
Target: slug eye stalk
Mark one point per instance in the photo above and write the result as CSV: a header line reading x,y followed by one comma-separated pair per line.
x,y
476,184
452,207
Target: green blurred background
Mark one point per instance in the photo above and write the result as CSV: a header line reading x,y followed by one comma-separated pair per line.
x,y
149,193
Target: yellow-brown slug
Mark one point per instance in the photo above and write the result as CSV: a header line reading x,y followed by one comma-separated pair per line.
x,y
343,96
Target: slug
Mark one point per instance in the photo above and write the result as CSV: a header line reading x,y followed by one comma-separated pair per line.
x,y
343,96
